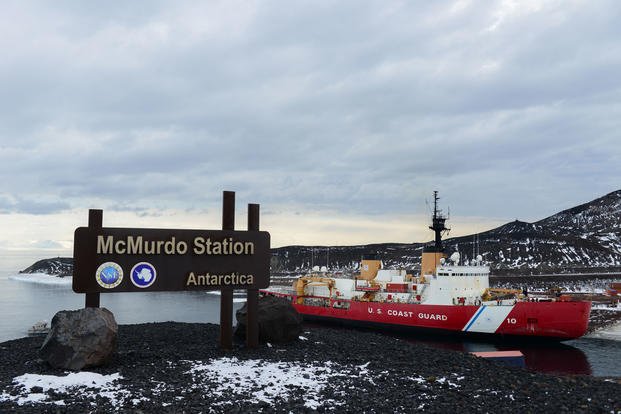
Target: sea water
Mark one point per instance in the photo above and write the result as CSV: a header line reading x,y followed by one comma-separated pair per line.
x,y
29,298
26,299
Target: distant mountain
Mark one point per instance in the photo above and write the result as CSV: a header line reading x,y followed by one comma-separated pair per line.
x,y
585,238
582,238
59,266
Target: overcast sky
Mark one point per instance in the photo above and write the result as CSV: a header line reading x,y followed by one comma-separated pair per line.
x,y
339,118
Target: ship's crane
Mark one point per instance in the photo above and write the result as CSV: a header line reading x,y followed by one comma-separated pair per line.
x,y
497,293
301,284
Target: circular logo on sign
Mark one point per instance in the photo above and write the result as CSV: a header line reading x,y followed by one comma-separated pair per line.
x,y
143,275
109,275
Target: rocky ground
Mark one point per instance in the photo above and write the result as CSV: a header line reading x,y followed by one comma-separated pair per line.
x,y
178,368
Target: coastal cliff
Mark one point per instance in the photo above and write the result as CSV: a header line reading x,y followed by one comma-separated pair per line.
x,y
59,266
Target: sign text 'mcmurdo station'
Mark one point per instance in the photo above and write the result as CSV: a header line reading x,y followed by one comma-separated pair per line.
x,y
200,245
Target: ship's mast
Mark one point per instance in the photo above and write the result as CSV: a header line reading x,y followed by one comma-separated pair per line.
x,y
438,226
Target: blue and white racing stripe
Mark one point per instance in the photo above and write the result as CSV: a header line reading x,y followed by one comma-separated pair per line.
x,y
487,319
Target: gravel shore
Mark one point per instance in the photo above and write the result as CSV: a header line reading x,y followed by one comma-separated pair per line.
x,y
603,318
178,368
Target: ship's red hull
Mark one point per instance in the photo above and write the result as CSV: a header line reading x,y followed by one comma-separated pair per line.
x,y
560,320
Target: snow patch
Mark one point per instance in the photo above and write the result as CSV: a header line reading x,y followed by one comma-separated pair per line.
x,y
86,384
257,380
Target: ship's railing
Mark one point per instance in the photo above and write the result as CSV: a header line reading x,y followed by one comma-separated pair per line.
x,y
336,302
460,273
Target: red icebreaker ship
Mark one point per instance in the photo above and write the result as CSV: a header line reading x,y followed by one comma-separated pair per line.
x,y
445,297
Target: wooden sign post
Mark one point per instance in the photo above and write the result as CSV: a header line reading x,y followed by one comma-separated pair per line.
x,y
226,294
95,222
252,295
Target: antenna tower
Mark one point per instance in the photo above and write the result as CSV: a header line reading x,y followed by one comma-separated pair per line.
x,y
438,225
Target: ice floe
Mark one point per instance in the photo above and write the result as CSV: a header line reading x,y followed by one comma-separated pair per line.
x,y
42,278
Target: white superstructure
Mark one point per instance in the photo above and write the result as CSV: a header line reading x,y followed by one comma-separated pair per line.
x,y
452,285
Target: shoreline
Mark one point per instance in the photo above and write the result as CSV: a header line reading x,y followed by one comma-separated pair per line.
x,y
602,318
177,367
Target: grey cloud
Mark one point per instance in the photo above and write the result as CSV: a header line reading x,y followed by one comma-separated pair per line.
x,y
19,204
46,244
341,106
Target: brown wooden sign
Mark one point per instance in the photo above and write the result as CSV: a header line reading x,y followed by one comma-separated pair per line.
x,y
108,259
138,260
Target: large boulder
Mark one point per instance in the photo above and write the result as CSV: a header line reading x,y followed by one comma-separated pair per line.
x,y
278,320
80,339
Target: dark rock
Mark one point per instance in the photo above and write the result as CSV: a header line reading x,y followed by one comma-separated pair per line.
x,y
80,339
278,320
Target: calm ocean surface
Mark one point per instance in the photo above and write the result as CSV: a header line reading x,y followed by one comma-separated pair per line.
x,y
22,303
34,298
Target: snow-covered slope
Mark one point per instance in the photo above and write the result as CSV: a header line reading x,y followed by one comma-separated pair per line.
x,y
582,238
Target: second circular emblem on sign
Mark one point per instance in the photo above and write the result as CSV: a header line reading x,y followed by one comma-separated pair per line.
x,y
143,275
